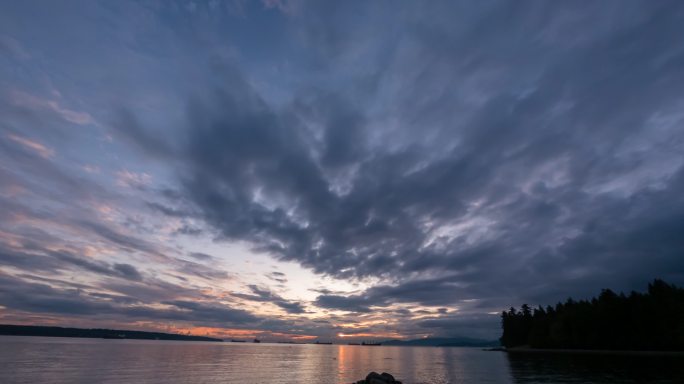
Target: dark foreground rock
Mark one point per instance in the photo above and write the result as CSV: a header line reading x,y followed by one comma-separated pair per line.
x,y
379,378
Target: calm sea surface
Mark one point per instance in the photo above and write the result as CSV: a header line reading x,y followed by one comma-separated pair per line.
x,y
57,360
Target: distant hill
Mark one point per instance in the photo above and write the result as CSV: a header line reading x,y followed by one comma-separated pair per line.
x,y
35,330
444,342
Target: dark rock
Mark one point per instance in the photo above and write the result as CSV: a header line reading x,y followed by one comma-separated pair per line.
x,y
375,378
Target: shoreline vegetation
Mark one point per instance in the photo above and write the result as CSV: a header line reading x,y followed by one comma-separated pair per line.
x,y
650,323
95,333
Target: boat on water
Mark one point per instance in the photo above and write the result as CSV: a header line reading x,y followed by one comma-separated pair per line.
x,y
257,341
322,342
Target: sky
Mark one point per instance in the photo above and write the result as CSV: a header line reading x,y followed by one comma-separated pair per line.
x,y
334,170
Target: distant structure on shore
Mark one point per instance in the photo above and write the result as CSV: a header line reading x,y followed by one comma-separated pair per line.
x,y
372,344
651,321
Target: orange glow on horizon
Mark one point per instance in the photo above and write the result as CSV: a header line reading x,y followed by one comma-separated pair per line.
x,y
237,333
393,335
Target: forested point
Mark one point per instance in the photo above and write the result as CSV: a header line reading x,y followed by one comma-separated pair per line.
x,y
37,330
640,321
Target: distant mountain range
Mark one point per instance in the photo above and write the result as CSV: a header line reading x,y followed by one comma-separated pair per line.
x,y
444,342
34,330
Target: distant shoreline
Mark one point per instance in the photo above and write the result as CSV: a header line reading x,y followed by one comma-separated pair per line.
x,y
523,350
95,333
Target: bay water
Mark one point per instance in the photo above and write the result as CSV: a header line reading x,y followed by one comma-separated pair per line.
x,y
72,360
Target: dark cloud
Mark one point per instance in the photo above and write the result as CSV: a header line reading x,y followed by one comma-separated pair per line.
x,y
265,295
211,313
291,307
201,270
127,242
168,211
512,161
128,271
278,277
17,294
189,230
129,129
432,292
32,257
201,256
345,303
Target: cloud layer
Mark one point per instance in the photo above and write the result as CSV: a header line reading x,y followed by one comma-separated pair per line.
x,y
448,160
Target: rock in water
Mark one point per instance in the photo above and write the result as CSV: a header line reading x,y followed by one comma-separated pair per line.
x,y
376,378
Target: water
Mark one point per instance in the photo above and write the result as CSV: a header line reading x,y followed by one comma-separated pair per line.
x,y
57,360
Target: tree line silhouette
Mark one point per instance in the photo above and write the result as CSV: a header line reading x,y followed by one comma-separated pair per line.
x,y
639,321
38,330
